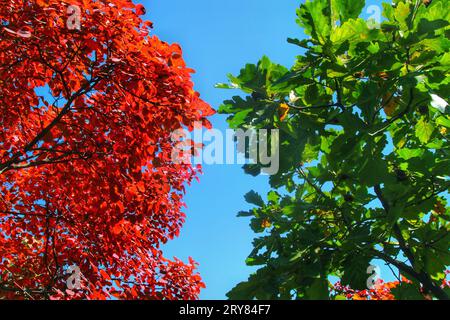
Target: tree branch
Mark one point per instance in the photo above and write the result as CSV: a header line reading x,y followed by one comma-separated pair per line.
x,y
421,276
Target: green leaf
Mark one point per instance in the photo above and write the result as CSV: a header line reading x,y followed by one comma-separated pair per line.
x,y
401,13
314,17
254,198
239,118
300,43
318,290
355,271
310,152
273,196
443,121
243,291
407,154
426,26
352,30
347,9
373,172
255,261
424,130
245,213
225,86
407,291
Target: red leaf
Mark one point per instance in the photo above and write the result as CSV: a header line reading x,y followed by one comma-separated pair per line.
x,y
104,275
140,10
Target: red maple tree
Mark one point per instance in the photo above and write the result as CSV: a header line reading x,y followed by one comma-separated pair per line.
x,y
86,177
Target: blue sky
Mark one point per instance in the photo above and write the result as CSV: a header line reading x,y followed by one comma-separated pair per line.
x,y
219,37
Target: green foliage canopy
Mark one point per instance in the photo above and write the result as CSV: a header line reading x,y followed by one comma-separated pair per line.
x,y
364,151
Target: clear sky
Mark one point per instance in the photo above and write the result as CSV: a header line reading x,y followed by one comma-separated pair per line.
x,y
219,37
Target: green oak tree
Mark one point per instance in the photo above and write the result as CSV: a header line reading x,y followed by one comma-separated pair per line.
x,y
364,152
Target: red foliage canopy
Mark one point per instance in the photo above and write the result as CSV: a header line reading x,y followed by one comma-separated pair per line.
x,y
382,290
86,176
